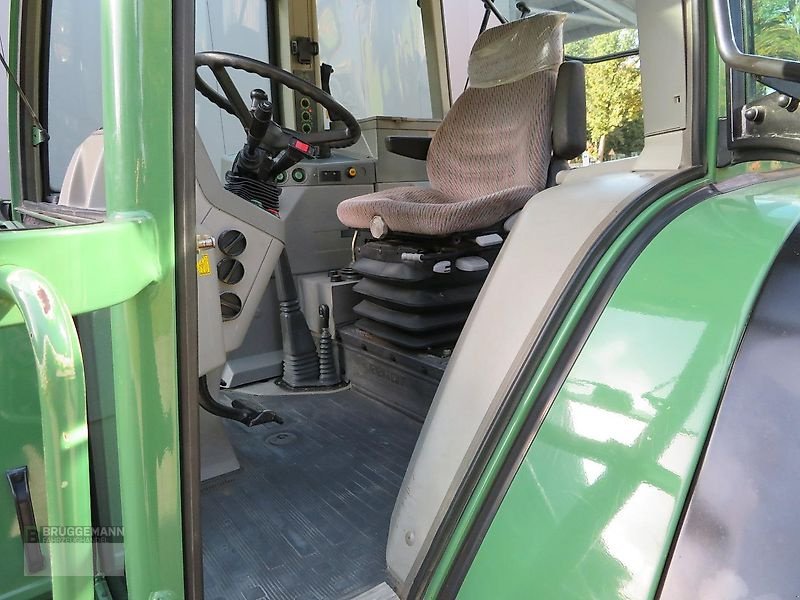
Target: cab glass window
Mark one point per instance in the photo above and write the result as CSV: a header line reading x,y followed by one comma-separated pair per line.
x,y
604,36
763,111
237,26
377,51
74,85
774,28
614,112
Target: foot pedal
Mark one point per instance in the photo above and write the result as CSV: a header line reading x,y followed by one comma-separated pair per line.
x,y
256,416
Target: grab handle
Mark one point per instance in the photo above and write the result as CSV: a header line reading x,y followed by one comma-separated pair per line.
x,y
62,399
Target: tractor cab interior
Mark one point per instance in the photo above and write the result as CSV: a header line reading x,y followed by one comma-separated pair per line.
x,y
369,284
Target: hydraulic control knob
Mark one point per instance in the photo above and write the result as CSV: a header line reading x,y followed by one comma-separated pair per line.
x,y
230,271
231,242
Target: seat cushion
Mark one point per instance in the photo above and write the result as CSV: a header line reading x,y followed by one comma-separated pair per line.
x,y
426,211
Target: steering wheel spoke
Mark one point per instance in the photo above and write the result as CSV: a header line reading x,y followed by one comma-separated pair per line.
x,y
232,102
240,109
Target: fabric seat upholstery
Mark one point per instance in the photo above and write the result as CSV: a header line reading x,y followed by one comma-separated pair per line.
x,y
492,152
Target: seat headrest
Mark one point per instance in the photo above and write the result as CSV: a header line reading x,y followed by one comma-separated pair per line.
x,y
513,51
569,111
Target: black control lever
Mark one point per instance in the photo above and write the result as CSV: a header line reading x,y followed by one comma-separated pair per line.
x,y
238,411
293,154
325,71
257,416
262,117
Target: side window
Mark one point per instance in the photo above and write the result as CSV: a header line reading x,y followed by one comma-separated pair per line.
x,y
762,110
74,86
377,50
614,116
774,28
770,28
606,42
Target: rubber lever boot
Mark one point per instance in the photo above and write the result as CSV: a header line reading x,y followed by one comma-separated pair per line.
x,y
300,360
328,373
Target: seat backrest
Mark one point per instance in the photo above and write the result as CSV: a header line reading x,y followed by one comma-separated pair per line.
x,y
497,135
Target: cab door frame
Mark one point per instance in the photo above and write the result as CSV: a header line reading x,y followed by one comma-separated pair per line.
x,y
138,263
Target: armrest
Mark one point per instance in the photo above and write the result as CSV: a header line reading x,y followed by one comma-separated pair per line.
x,y
410,146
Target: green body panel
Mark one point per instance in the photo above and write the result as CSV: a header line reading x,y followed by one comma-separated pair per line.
x,y
137,108
116,262
62,398
20,444
127,264
593,508
478,497
549,360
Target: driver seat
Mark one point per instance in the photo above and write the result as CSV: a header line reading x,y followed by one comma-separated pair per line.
x,y
429,250
492,152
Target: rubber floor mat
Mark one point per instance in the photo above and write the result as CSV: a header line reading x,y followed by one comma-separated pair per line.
x,y
307,515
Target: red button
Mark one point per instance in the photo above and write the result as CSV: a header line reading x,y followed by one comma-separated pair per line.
x,y
302,146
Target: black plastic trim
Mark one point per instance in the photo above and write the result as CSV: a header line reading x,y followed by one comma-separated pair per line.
x,y
183,136
44,90
697,50
593,60
410,146
32,19
746,378
273,52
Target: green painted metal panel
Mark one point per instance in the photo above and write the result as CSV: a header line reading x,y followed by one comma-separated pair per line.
x,y
20,444
593,508
91,266
137,108
467,519
549,360
127,263
62,399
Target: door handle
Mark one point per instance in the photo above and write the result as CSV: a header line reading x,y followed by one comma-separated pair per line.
x,y
26,519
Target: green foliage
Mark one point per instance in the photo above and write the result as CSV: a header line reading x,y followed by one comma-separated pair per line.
x,y
776,28
613,94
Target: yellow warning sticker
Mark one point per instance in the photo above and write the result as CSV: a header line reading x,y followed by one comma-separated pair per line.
x,y
204,265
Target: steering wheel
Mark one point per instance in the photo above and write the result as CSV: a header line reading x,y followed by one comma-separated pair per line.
x,y
233,103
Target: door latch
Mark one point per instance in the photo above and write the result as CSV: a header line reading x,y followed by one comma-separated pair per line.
x,y
21,490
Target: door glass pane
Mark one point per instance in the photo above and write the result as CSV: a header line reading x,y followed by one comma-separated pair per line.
x,y
75,94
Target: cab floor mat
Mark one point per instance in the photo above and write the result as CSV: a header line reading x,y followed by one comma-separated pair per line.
x,y
307,515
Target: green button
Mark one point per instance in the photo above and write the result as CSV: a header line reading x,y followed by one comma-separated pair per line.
x,y
299,175
280,177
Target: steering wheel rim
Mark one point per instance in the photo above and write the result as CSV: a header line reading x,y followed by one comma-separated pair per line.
x,y
232,102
